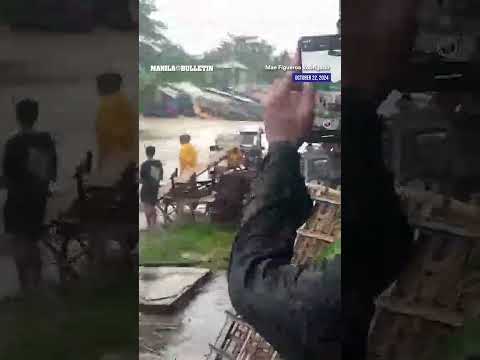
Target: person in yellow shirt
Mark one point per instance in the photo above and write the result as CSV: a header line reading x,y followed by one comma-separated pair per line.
x,y
188,155
117,122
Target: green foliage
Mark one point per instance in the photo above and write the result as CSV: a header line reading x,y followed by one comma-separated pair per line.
x,y
151,37
282,59
253,54
329,253
199,243
156,49
149,28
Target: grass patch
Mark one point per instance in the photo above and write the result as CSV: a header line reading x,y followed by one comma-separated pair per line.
x,y
205,244
330,252
85,325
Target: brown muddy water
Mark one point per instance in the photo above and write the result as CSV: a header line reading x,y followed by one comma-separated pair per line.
x,y
164,134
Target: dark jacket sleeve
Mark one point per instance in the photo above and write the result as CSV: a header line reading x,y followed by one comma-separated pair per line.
x,y
296,310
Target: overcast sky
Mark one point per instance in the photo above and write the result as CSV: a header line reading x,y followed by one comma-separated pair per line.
x,y
199,26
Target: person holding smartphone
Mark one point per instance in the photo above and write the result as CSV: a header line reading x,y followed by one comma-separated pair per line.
x,y
326,313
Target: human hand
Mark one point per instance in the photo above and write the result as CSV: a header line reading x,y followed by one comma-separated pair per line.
x,y
289,112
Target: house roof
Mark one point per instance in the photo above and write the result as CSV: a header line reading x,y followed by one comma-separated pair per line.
x,y
188,88
168,91
232,65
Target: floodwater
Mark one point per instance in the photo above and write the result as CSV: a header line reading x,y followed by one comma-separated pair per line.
x,y
186,335
164,134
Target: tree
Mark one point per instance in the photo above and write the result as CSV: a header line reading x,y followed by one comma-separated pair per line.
x,y
151,38
252,52
156,49
282,59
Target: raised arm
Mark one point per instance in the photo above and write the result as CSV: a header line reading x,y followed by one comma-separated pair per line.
x,y
291,308
296,310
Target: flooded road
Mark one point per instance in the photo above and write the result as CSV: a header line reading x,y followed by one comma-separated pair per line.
x,y
164,134
186,335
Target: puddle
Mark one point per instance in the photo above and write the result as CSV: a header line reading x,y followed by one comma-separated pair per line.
x,y
186,335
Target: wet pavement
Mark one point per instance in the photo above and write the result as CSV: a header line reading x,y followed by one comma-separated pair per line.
x,y
165,287
186,334
9,286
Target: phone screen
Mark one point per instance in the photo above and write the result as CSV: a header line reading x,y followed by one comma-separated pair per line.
x,y
322,55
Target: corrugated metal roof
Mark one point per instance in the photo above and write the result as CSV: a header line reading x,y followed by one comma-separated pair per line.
x,y
169,91
232,65
229,95
214,97
188,88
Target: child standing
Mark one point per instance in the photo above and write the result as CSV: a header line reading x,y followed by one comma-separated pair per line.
x,y
151,173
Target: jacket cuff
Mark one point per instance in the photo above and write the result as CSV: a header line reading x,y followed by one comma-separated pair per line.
x,y
282,158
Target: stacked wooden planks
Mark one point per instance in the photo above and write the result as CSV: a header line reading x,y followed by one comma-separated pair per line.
x,y
238,340
439,290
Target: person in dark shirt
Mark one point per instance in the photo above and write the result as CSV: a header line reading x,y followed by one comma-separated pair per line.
x,y
325,313
29,168
151,173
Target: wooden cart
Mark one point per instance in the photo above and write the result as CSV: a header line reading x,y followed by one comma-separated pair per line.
x,y
76,237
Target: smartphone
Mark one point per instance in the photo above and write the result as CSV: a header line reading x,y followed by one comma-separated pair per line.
x,y
322,55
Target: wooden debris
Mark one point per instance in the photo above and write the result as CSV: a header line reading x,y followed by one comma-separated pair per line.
x,y
229,108
441,286
402,336
432,209
321,192
320,230
238,340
